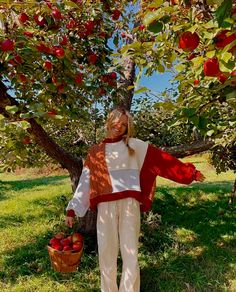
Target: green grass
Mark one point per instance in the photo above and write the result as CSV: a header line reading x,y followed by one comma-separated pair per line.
x,y
187,242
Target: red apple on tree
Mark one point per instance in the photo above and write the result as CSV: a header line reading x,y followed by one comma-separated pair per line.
x,y
224,37
23,17
196,82
47,65
56,13
52,113
113,75
211,67
64,40
59,52
71,24
28,34
79,78
222,78
26,140
39,20
92,58
189,41
7,45
22,78
116,14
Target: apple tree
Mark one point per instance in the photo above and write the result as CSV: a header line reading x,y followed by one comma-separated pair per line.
x,y
196,40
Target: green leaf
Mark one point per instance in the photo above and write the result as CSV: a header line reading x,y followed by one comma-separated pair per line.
x,y
189,112
198,61
180,67
12,109
226,56
71,4
160,68
155,26
210,54
210,133
141,89
116,40
223,11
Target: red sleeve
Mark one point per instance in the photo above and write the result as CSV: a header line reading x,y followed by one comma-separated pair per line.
x,y
70,213
161,163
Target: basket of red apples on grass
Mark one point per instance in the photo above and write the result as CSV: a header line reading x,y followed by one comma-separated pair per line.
x,y
65,251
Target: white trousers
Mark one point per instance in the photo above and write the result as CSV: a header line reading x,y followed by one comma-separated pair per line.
x,y
118,225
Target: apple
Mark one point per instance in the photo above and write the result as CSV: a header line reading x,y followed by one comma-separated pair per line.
x,y
56,13
18,59
23,17
47,65
222,78
77,237
54,241
116,14
211,67
28,34
189,41
65,242
26,140
77,245
61,88
113,75
49,4
64,40
39,20
79,78
67,248
103,34
141,27
59,52
22,78
89,26
57,246
174,2
40,47
224,37
71,24
101,91
52,113
7,45
196,82
92,58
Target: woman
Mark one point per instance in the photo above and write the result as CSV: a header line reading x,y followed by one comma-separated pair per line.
x,y
118,180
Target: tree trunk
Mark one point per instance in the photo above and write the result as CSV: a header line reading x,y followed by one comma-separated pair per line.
x,y
125,95
233,194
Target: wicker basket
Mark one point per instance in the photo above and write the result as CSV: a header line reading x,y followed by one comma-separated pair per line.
x,y
64,261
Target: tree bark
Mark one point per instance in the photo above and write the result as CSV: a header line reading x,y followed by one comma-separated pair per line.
x,y
181,151
127,81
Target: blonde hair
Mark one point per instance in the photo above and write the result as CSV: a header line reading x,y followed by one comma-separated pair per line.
x,y
117,113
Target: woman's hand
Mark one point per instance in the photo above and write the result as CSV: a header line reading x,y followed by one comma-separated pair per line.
x,y
199,176
69,221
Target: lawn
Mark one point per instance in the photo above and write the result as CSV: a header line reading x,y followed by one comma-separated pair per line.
x,y
187,242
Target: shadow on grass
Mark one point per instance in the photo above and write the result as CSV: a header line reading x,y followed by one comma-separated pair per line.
x,y
200,260
22,185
